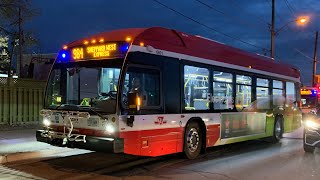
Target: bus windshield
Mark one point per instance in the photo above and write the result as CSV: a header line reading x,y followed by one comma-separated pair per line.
x,y
83,86
308,101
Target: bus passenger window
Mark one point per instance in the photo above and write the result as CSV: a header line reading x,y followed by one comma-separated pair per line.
x,y
222,91
243,92
263,98
278,93
290,93
196,88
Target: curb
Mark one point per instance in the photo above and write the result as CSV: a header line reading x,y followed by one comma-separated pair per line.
x,y
23,156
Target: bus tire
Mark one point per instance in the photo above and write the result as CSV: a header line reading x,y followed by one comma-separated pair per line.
x,y
277,130
192,140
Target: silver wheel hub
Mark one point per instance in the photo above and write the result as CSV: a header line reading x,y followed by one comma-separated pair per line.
x,y
278,129
193,139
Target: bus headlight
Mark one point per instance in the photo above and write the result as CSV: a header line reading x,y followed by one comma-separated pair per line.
x,y
46,121
311,124
110,129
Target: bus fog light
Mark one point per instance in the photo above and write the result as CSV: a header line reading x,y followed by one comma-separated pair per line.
x,y
110,129
46,121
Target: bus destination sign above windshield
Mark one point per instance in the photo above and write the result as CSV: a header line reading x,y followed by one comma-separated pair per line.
x,y
306,92
101,51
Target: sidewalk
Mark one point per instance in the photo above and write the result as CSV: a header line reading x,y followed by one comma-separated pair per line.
x,y
21,144
19,127
297,134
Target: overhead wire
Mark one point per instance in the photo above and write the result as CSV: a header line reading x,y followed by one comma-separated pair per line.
x,y
234,3
206,26
291,9
227,15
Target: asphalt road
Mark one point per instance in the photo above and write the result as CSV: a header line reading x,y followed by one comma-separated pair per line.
x,y
249,160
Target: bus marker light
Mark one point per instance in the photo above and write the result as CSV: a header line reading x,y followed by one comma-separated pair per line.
x,y
93,41
128,39
125,47
65,47
141,44
86,42
138,103
101,40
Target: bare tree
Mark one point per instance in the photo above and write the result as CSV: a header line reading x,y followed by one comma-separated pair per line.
x,y
14,14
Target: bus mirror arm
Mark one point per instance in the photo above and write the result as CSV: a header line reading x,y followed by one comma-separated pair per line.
x,y
130,120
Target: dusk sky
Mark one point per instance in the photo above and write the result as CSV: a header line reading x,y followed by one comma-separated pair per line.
x,y
63,21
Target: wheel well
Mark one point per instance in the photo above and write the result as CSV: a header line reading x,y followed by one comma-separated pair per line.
x,y
203,130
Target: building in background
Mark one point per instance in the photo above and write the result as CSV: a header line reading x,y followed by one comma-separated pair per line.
x,y
37,66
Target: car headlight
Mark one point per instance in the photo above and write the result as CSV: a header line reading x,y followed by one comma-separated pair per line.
x,y
311,124
46,121
110,129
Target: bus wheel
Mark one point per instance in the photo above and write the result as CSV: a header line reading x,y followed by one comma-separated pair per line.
x,y
192,140
277,130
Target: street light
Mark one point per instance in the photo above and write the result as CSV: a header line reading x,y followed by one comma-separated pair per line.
x,y
302,20
299,21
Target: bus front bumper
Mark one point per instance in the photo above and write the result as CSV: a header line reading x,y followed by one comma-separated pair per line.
x,y
93,143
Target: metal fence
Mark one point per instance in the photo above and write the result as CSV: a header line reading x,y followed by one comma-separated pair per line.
x,y
20,100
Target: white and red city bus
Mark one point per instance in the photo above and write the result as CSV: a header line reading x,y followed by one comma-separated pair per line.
x,y
157,91
310,99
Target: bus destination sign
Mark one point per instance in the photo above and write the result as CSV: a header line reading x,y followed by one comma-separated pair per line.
x,y
306,92
101,51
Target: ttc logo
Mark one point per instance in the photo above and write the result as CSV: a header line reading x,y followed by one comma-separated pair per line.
x,y
160,121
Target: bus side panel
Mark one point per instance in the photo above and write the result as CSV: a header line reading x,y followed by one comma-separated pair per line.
x,y
132,142
213,134
155,142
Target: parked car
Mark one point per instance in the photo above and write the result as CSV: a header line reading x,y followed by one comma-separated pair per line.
x,y
311,132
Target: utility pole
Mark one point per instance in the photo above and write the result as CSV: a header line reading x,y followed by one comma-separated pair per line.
x,y
315,60
20,43
272,32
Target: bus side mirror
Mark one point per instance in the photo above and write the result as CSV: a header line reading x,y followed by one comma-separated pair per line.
x,y
134,102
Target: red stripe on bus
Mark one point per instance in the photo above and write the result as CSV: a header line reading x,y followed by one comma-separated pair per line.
x,y
159,142
213,134
153,142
